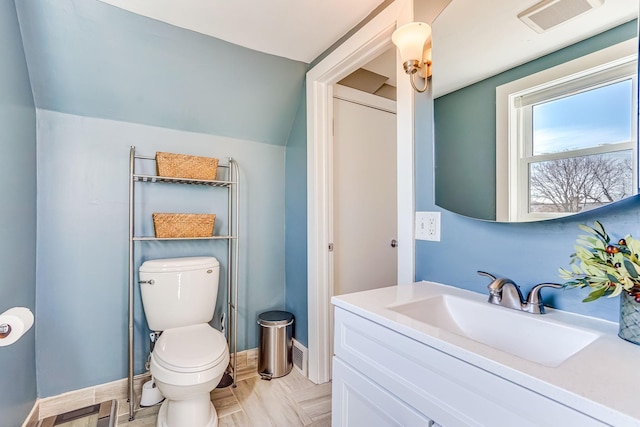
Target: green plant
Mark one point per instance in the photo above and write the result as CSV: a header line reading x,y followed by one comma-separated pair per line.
x,y
607,268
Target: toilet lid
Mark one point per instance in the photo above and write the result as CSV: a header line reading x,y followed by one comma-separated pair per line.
x,y
191,348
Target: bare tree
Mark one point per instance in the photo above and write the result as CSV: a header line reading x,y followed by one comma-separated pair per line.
x,y
579,183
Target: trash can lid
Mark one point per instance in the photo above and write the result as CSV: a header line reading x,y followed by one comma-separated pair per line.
x,y
275,318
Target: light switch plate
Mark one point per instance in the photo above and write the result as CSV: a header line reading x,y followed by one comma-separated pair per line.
x,y
428,226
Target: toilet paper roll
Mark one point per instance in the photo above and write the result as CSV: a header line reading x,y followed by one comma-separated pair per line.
x,y
14,323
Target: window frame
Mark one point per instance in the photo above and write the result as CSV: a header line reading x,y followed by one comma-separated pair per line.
x,y
514,121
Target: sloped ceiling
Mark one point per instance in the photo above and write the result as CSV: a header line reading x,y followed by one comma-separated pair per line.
x,y
377,77
473,40
89,58
294,29
237,68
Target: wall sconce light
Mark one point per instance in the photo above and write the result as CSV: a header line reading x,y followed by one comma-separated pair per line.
x,y
411,40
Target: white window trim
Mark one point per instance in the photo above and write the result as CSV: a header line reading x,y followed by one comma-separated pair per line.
x,y
506,155
613,72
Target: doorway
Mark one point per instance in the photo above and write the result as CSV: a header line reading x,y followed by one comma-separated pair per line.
x,y
364,196
364,214
366,44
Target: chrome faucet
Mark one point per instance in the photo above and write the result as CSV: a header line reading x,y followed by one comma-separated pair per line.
x,y
505,292
534,301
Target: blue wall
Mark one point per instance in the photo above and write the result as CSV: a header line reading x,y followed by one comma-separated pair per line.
x,y
82,239
92,59
296,223
17,217
528,253
104,79
466,130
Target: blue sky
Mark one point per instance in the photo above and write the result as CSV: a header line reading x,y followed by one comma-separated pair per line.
x,y
588,119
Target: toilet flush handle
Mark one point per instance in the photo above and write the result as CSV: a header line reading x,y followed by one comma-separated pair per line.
x,y
150,281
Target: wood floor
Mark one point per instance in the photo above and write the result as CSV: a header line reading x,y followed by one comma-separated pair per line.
x,y
289,401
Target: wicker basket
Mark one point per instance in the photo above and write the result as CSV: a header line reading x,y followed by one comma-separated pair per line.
x,y
183,225
184,166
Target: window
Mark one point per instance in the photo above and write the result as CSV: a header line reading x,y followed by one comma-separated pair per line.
x,y
571,140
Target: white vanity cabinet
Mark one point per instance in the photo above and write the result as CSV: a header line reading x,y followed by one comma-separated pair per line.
x,y
358,401
384,378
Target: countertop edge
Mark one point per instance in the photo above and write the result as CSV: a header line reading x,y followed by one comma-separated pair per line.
x,y
508,371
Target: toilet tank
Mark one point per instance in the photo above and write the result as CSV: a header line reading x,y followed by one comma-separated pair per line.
x,y
179,291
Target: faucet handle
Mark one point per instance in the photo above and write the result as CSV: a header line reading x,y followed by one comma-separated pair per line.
x,y
534,301
495,287
503,291
489,275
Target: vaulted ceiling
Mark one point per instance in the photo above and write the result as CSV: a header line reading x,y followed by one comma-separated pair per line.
x,y
293,29
237,68
88,58
472,39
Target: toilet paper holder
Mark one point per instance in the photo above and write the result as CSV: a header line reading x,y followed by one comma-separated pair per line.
x,y
5,330
14,323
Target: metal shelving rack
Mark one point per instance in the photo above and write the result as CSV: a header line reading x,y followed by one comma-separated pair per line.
x,y
232,186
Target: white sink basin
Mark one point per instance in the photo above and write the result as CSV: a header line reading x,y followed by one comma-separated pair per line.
x,y
525,335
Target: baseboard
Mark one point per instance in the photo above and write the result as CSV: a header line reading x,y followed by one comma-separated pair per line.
x,y
118,390
247,359
34,415
69,401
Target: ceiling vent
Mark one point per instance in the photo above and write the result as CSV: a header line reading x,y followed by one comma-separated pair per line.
x,y
549,13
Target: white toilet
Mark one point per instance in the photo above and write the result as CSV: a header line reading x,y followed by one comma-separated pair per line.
x,y
190,357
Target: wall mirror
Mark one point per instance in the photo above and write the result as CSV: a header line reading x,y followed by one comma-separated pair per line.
x,y
482,48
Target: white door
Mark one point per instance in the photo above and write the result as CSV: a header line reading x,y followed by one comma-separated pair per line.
x,y
364,197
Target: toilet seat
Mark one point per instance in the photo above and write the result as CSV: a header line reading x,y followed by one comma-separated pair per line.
x,y
191,349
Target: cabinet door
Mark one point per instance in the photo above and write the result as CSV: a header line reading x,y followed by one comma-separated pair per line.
x,y
359,402
448,389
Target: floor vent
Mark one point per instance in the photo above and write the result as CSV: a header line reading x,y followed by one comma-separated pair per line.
x,y
300,354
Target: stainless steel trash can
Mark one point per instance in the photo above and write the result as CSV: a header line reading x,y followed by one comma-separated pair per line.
x,y
276,342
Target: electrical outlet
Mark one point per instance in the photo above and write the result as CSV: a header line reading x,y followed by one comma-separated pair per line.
x,y
428,226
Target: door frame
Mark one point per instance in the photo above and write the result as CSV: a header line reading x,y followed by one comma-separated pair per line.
x,y
367,43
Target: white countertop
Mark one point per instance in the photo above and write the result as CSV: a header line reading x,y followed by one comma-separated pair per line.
x,y
602,380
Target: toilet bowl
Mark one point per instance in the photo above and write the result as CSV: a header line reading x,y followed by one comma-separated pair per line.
x,y
187,363
190,357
